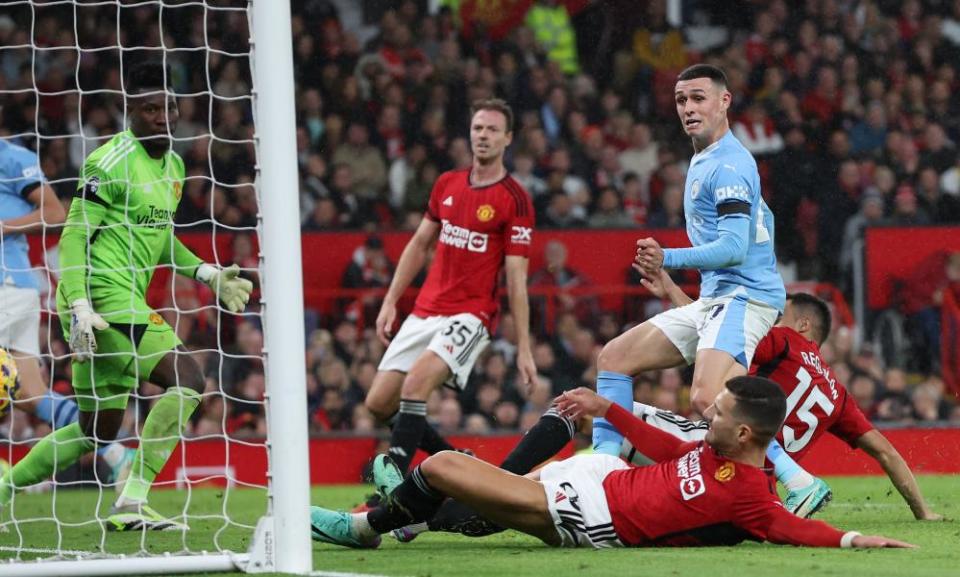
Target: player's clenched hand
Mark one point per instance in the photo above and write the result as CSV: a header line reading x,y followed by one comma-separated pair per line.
x,y
527,370
385,320
83,321
581,402
649,255
233,291
876,541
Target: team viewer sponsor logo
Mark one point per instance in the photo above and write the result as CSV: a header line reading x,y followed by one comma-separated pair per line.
x,y
521,235
691,479
463,238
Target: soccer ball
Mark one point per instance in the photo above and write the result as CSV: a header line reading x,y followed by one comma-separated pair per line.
x,y
8,382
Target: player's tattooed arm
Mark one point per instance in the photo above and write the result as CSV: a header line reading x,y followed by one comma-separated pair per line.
x,y
878,447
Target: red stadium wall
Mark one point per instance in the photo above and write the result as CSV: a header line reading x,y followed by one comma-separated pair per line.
x,y
931,451
894,254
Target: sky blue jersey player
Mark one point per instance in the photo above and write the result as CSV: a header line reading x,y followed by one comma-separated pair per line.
x,y
731,231
29,205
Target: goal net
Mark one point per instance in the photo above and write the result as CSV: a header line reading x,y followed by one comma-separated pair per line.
x,y
236,503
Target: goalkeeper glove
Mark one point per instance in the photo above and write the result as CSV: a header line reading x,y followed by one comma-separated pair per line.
x,y
233,291
83,321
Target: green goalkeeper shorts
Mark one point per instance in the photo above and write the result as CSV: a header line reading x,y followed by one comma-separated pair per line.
x,y
126,354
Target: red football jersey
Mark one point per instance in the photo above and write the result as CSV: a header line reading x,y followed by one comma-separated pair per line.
x,y
479,227
816,402
694,496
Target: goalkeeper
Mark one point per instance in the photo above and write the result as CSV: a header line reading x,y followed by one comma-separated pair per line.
x,y
118,230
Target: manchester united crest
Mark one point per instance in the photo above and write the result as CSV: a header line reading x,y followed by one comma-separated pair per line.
x,y
177,190
485,213
725,472
156,319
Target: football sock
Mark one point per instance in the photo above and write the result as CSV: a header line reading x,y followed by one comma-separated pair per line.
x,y
788,472
432,442
161,433
56,451
407,432
618,388
544,440
57,410
413,500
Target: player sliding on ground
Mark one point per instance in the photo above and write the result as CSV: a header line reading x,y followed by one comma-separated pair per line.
x,y
118,230
741,292
711,492
789,355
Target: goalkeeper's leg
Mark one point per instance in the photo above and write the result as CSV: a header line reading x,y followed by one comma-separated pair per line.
x,y
34,398
61,449
182,378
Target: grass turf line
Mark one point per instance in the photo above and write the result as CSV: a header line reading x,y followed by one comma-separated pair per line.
x,y
867,504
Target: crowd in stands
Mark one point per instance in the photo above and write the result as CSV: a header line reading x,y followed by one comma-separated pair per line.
x,y
846,104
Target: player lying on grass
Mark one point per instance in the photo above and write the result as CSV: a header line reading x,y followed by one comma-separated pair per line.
x,y
119,229
816,403
711,492
789,355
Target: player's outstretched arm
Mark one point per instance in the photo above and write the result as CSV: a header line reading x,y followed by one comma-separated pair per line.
x,y
656,444
411,262
784,528
877,446
233,291
520,308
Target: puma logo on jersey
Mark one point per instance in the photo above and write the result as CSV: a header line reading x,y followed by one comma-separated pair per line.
x,y
448,201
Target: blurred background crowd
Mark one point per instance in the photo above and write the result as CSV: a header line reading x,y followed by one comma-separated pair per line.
x,y
846,104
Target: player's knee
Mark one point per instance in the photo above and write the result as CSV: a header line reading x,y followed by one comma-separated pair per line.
x,y
417,386
379,407
439,466
612,355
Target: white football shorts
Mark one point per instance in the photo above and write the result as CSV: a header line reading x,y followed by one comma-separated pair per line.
x,y
731,323
457,339
577,501
678,426
20,319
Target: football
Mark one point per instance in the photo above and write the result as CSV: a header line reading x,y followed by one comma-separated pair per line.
x,y
8,381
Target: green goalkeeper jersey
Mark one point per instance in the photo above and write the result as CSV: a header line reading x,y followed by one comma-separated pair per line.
x,y
120,228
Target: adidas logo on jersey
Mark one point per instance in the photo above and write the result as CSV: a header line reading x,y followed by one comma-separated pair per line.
x,y
448,201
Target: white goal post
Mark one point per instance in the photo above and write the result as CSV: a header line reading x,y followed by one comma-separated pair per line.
x,y
281,542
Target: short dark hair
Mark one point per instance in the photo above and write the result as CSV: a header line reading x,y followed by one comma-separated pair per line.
x,y
760,403
150,75
497,105
710,71
817,308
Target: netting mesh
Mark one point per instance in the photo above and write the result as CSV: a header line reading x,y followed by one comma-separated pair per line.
x,y
62,84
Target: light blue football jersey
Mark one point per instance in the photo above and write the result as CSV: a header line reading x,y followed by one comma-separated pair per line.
x,y
725,172
19,173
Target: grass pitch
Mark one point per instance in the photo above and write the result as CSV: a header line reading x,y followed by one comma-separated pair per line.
x,y
867,504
